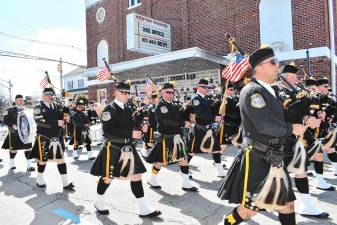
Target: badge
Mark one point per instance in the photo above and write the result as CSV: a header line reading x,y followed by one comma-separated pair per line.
x,y
106,116
257,101
37,111
196,102
163,109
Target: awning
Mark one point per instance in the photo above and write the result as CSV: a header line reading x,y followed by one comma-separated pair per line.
x,y
190,60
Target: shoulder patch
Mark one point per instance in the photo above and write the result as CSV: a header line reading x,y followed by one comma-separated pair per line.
x,y
37,111
257,101
106,116
163,109
196,102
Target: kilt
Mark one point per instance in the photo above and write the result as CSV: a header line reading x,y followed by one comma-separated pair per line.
x,y
232,187
80,137
68,131
196,138
107,162
162,151
44,151
148,136
13,142
227,133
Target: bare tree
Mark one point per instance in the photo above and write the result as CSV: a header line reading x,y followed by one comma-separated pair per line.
x,y
4,103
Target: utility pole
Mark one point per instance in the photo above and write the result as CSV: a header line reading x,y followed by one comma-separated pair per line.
x,y
61,78
10,85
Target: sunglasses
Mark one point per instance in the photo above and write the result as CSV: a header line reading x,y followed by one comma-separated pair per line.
x,y
49,94
205,87
125,92
273,62
170,92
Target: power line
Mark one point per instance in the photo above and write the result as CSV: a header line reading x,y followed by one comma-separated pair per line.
x,y
41,42
31,57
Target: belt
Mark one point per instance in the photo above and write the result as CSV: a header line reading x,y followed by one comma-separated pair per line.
x,y
119,140
259,146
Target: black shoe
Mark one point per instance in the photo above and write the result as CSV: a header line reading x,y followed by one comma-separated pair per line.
x,y
331,188
322,215
192,189
69,187
154,187
13,168
30,169
92,158
151,215
0,160
102,212
41,185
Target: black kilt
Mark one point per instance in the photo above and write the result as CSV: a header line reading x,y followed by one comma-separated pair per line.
x,y
148,136
42,152
162,152
78,138
196,139
15,142
232,187
99,168
227,133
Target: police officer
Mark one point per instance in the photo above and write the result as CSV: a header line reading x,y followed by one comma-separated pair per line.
x,y
204,119
13,141
118,157
260,161
49,145
169,145
81,130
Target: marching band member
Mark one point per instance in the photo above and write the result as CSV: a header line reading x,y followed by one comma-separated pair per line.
x,y
49,144
118,157
257,178
13,141
169,145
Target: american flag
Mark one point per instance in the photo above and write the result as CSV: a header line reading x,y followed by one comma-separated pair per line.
x,y
149,87
103,74
44,82
236,68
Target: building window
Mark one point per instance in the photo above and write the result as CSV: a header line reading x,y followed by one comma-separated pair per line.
x,y
70,84
102,96
80,83
102,52
276,24
134,3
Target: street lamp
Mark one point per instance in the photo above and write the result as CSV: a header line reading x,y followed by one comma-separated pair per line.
x,y
308,59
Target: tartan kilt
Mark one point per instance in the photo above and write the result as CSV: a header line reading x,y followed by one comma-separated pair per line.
x,y
42,152
227,133
232,186
162,152
148,136
107,163
80,137
15,142
196,138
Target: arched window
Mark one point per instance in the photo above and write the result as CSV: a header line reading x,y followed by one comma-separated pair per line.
x,y
276,24
102,52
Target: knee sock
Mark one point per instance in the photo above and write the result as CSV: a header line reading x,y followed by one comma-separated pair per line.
x,y
27,153
333,157
184,169
287,219
234,218
302,185
12,155
137,188
217,157
102,186
318,167
62,168
41,168
88,147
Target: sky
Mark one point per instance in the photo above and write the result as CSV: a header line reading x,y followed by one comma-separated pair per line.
x,y
55,21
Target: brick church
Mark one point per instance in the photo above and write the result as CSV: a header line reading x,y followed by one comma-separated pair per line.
x,y
184,40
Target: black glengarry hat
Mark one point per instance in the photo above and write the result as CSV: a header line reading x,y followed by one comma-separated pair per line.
x,y
167,86
122,86
18,96
259,55
203,82
289,69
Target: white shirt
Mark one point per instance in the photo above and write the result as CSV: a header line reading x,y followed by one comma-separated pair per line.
x,y
120,104
268,87
49,105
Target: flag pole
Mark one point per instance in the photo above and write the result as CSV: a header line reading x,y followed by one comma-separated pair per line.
x,y
108,68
